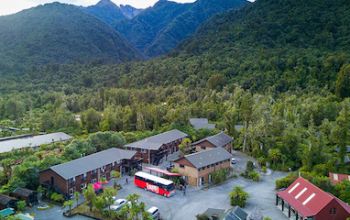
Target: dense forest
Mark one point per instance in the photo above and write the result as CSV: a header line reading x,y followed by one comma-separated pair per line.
x,y
282,74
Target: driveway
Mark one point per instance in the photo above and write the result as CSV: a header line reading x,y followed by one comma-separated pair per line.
x,y
179,207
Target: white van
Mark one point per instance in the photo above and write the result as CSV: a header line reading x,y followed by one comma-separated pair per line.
x,y
154,211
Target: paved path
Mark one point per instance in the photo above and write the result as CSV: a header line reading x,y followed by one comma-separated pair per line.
x,y
179,207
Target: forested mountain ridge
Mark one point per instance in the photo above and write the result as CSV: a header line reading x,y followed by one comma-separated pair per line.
x,y
58,33
159,29
106,11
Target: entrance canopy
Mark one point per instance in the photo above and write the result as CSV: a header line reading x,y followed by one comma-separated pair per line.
x,y
160,171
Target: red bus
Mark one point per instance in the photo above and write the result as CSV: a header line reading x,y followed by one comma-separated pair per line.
x,y
154,184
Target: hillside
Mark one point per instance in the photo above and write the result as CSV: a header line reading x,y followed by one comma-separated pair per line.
x,y
129,11
160,28
278,45
186,24
58,33
106,11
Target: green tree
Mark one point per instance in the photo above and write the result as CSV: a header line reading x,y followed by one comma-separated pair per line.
x,y
115,175
342,88
89,195
91,120
76,197
69,204
108,194
21,205
238,197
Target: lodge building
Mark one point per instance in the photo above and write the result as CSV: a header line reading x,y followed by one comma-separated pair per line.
x,y
198,167
304,201
75,175
153,149
220,140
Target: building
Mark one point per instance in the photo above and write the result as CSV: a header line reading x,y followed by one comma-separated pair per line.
x,y
302,200
31,197
197,167
75,175
155,148
201,123
337,178
25,141
7,202
220,140
236,213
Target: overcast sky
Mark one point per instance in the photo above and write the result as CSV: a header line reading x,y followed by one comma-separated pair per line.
x,y
13,6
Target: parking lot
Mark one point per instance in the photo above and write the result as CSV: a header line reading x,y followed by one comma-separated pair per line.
x,y
179,206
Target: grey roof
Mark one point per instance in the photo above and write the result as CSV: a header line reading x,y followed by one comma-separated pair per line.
x,y
216,213
218,140
201,123
23,191
156,141
236,214
208,157
5,199
92,162
6,145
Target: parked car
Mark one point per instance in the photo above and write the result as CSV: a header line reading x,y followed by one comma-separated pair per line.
x,y
118,204
233,160
154,211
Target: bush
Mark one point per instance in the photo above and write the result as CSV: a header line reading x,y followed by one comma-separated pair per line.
x,y
249,166
238,197
219,176
21,205
286,181
255,176
264,169
202,217
57,197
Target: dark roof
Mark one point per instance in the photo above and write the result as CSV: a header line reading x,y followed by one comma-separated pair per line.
x,y
207,157
156,141
217,213
4,199
23,192
92,162
219,140
307,199
236,214
6,145
201,123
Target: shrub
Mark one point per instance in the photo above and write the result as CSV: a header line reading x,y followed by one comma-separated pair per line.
x,y
238,197
255,176
219,176
202,217
263,169
57,197
21,206
286,181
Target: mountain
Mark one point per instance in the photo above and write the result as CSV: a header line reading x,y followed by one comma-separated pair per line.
x,y
59,33
144,28
107,12
129,11
160,28
184,25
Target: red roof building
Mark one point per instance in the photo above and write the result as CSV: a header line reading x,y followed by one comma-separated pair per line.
x,y
337,178
305,201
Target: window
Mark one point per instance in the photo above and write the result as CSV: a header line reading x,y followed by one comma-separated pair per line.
x,y
182,166
333,211
71,191
93,181
203,147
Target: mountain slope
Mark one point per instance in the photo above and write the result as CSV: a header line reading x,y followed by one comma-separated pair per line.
x,y
159,29
143,29
129,11
107,12
58,33
185,24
